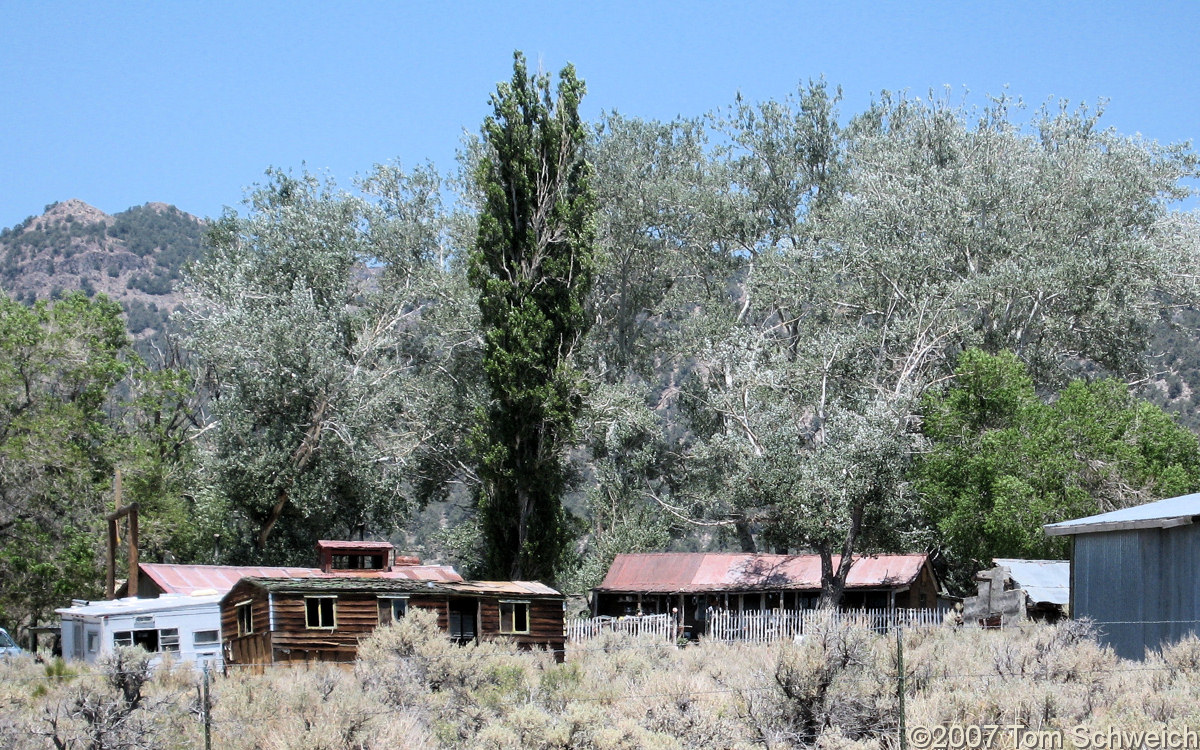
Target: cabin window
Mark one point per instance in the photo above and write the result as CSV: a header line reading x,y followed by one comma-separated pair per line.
x,y
462,619
392,608
93,641
514,617
206,638
319,612
245,619
123,638
356,562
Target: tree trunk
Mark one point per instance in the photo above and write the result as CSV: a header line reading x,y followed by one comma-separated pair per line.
x,y
745,538
833,582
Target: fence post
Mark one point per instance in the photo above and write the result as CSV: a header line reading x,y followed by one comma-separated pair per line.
x,y
900,685
207,708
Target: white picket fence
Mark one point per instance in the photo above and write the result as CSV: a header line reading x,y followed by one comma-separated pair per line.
x,y
773,625
660,626
760,627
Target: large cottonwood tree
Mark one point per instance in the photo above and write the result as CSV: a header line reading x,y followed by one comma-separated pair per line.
x,y
320,318
866,255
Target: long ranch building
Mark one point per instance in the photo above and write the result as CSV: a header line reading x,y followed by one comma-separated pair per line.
x,y
691,582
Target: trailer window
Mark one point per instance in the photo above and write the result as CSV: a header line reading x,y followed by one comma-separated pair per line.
x,y
168,639
123,638
319,612
514,617
206,638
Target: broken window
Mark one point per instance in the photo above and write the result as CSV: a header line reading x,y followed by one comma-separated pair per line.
x,y
319,611
356,562
514,617
153,641
245,618
392,608
462,619
168,639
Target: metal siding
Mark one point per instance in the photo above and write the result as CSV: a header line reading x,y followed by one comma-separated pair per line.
x,y
1137,585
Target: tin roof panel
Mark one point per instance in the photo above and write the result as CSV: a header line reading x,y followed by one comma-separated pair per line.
x,y
698,571
188,579
1046,581
1173,511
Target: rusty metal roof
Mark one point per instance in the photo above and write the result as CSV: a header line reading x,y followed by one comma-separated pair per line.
x,y
677,572
514,588
187,579
349,545
443,573
376,584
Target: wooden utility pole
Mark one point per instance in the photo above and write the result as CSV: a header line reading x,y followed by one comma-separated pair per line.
x,y
131,512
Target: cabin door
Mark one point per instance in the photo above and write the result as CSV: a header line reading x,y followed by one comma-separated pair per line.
x,y
464,620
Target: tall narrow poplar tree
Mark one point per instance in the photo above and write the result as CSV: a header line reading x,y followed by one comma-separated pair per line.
x,y
533,265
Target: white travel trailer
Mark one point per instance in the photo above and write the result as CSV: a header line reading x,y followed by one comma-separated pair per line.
x,y
187,627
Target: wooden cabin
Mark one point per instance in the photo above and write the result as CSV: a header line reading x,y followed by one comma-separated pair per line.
x,y
274,620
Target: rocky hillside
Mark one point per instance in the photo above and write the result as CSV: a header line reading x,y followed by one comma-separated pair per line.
x,y
135,257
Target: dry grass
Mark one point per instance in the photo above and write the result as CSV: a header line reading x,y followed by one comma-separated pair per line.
x,y
837,689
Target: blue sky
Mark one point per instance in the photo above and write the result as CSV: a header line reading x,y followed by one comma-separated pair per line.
x,y
188,103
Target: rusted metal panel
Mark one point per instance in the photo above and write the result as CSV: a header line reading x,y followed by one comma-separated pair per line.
x,y
339,544
515,588
697,572
442,573
187,579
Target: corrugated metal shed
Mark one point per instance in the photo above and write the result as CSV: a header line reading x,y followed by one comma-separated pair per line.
x,y
1134,573
1044,581
1164,514
671,572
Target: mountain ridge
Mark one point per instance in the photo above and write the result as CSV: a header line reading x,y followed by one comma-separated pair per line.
x,y
135,257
